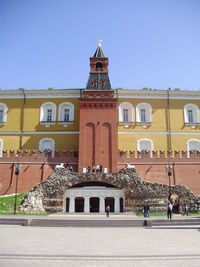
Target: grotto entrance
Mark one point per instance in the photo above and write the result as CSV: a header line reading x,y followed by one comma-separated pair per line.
x,y
93,197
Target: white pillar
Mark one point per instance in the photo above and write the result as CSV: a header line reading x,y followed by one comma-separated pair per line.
x,y
72,205
117,206
86,204
102,205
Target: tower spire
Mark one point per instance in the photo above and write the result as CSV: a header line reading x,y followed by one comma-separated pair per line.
x,y
98,79
99,53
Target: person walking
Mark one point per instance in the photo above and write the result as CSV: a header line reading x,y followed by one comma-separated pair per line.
x,y
169,210
107,211
185,210
146,210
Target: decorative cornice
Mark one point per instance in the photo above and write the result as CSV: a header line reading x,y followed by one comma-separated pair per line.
x,y
157,94
77,132
119,93
160,133
38,133
59,93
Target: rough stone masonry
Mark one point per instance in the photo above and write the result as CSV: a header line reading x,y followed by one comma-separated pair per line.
x,y
48,195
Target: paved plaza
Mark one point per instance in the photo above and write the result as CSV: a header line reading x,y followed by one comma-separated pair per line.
x,y
84,246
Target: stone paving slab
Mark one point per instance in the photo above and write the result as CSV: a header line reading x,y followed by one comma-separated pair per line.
x,y
98,221
97,216
99,261
98,247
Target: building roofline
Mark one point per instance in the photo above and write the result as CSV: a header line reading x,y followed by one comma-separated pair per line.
x,y
119,92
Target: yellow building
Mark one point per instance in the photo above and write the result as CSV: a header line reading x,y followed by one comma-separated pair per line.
x,y
147,119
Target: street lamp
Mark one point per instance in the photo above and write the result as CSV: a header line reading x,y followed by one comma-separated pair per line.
x,y
169,169
17,171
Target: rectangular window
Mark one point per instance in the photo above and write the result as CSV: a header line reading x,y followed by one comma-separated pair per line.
x,y
66,114
1,116
190,116
49,115
125,115
143,115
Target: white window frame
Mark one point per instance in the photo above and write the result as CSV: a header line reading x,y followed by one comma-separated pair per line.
x,y
145,140
1,148
148,113
5,110
195,114
129,107
188,145
50,140
43,113
62,107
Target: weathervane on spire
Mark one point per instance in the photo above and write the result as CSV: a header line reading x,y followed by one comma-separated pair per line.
x,y
100,42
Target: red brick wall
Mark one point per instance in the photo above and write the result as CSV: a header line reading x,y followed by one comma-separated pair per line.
x,y
35,168
186,171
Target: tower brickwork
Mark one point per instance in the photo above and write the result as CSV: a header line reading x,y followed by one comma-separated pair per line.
x,y
98,118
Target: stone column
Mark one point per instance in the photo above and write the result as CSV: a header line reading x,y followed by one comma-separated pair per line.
x,y
86,204
117,206
72,204
102,205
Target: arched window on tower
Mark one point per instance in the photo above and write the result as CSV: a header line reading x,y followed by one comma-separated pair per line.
x,y
94,83
145,145
193,146
102,83
99,66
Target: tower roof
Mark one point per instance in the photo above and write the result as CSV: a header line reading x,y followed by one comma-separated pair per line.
x,y
99,52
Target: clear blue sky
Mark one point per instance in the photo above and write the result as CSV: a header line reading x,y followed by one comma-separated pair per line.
x,y
150,43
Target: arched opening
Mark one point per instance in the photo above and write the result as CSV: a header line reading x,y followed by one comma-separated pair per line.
x,y
89,149
99,66
110,201
67,204
94,204
106,146
121,204
93,183
79,204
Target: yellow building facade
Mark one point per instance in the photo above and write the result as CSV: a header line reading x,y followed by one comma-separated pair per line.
x,y
151,120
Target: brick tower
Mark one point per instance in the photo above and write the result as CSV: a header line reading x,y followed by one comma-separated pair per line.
x,y
98,118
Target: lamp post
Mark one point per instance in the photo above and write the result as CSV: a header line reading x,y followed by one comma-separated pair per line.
x,y
169,169
17,171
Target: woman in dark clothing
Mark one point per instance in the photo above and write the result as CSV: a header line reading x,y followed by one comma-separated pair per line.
x,y
146,210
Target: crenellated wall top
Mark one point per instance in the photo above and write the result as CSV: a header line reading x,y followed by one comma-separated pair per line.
x,y
128,156
39,156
